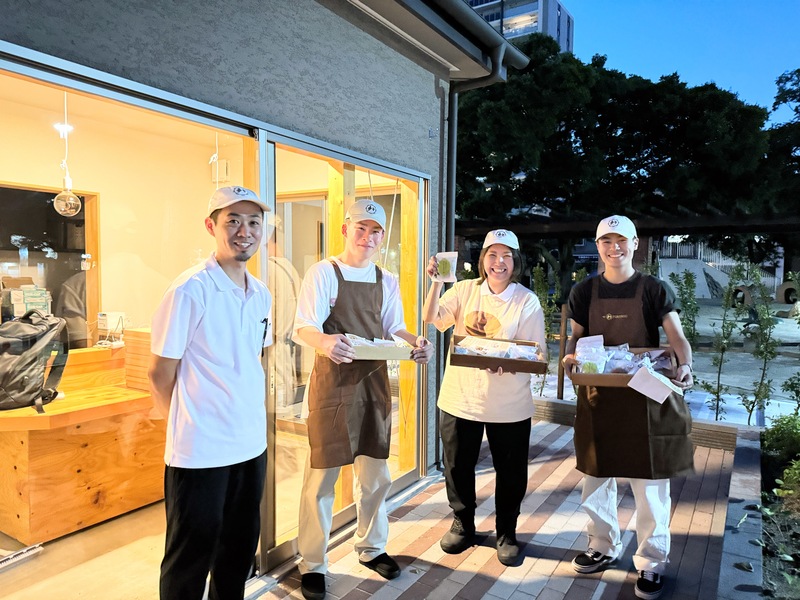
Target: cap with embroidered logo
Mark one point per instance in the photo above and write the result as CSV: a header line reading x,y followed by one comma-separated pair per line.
x,y
501,236
225,196
616,224
366,210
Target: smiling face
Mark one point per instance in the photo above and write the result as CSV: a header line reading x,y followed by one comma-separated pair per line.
x,y
497,266
362,239
616,251
238,230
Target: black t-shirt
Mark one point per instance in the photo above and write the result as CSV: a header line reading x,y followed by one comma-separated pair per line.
x,y
658,300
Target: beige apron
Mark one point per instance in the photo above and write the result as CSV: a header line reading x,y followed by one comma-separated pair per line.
x,y
350,404
618,431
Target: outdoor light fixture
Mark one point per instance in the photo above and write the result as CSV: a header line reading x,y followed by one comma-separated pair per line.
x,y
66,203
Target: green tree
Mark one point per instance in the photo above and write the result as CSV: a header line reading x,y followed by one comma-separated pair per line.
x,y
723,340
788,92
686,286
766,345
579,141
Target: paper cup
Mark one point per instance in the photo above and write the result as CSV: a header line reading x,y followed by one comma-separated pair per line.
x,y
447,267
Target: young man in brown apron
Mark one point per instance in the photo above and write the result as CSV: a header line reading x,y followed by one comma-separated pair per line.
x,y
618,431
349,403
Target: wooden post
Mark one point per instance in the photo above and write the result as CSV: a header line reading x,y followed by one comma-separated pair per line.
x,y
562,346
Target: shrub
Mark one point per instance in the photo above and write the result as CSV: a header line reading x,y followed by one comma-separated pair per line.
x,y
780,445
686,289
792,387
782,438
789,489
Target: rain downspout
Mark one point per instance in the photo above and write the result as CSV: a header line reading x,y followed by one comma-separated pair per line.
x,y
498,74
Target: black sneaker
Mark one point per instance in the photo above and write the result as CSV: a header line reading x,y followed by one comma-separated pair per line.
x,y
384,565
313,586
507,549
649,585
591,561
459,538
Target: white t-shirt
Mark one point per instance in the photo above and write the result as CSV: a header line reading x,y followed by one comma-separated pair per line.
x,y
476,394
320,290
217,416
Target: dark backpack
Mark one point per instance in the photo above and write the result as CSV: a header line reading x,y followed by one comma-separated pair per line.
x,y
26,345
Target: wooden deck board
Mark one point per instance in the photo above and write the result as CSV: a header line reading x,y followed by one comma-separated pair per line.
x,y
551,527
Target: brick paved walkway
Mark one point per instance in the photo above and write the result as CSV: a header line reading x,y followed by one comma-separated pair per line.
x,y
550,527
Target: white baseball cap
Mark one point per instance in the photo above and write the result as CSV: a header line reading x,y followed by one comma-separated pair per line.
x,y
501,236
616,224
225,196
366,210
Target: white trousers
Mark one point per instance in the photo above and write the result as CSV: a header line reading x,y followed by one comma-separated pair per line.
x,y
372,483
653,503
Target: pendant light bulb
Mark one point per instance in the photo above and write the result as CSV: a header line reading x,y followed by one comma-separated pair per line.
x,y
66,203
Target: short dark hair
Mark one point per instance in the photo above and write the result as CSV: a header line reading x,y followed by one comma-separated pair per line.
x,y
516,273
214,215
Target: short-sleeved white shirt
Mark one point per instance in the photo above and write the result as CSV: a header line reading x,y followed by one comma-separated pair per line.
x,y
476,394
217,416
320,290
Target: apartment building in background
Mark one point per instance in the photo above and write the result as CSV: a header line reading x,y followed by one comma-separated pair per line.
x,y
515,18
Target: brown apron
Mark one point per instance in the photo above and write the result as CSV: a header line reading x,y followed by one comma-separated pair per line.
x,y
618,431
350,404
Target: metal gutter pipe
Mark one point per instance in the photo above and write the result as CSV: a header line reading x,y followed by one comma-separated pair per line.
x,y
498,74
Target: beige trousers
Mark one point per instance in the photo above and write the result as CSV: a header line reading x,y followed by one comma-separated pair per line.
x,y
371,482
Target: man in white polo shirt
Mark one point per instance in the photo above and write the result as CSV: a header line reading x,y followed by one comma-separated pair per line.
x,y
207,380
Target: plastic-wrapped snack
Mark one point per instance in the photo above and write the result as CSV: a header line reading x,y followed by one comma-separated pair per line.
x,y
621,348
485,346
659,360
591,354
620,361
525,352
663,363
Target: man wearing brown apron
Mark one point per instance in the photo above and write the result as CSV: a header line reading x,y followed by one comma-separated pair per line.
x,y
618,431
348,404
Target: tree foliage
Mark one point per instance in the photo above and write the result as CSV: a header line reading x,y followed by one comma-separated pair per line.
x,y
579,141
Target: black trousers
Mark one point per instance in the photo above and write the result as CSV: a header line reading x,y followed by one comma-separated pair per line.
x,y
213,526
508,443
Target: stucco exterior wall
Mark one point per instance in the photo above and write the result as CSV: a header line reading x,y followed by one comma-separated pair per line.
x,y
298,64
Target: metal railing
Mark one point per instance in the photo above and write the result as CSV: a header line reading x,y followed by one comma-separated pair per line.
x,y
713,258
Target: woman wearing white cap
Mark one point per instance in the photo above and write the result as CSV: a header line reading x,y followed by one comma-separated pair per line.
x,y
472,401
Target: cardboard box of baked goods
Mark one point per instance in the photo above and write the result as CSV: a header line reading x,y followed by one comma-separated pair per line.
x,y
515,365
383,352
618,379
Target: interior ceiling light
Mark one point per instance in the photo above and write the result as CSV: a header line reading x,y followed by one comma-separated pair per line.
x,y
66,203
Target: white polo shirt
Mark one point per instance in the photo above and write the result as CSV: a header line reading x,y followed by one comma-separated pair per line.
x,y
217,416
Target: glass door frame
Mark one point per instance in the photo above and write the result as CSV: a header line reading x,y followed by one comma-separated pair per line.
x,y
272,555
39,66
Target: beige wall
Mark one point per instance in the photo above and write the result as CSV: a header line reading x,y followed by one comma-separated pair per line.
x,y
151,174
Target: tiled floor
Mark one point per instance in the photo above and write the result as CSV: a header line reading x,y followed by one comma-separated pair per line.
x,y
550,527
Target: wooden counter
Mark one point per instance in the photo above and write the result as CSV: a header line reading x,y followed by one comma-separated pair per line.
x,y
96,453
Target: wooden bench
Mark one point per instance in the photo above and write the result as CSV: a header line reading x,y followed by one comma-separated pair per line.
x,y
96,453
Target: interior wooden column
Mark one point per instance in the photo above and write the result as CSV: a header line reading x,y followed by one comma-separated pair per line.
x,y
409,293
341,194
250,180
91,242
